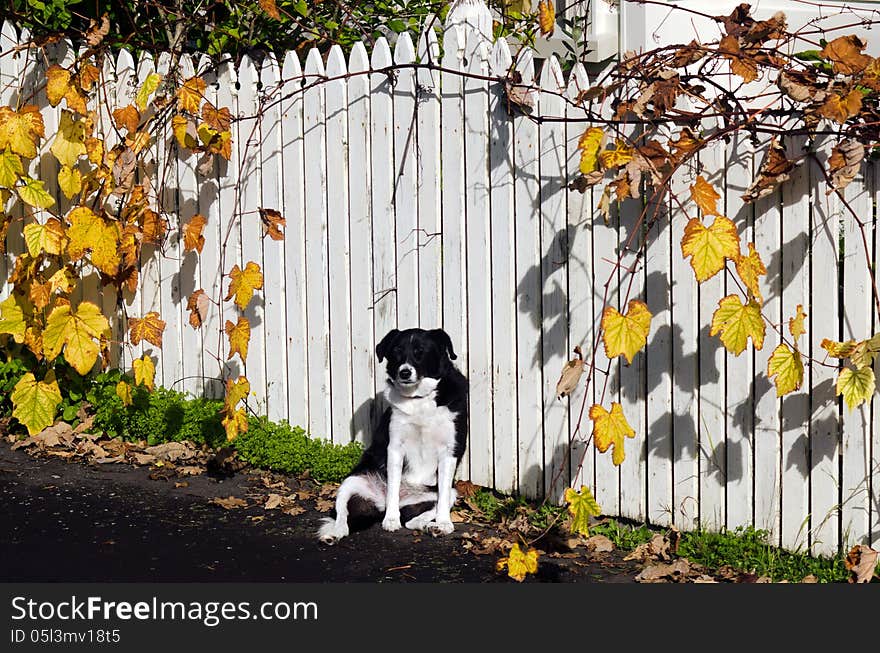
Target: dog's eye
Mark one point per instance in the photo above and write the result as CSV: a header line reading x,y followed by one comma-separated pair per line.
x,y
417,352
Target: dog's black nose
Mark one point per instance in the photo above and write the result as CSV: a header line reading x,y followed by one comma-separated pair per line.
x,y
405,373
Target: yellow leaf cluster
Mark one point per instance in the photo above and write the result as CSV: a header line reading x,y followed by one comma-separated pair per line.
x,y
709,247
581,506
519,563
76,331
35,402
737,322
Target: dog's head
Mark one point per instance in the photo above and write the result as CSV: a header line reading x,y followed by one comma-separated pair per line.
x,y
415,355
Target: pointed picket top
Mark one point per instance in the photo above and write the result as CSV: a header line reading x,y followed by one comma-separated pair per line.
x,y
270,75
428,48
145,65
291,69
247,84
187,69
314,65
500,58
336,62
8,37
164,64
359,58
126,78
404,51
453,49
205,66
381,54
552,78
476,51
473,16
578,81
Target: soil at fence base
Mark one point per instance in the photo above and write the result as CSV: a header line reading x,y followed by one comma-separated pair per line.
x,y
71,521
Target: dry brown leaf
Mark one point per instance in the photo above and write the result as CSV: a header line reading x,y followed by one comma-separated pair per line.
x,y
97,31
600,544
273,501
59,434
810,578
775,169
675,572
466,489
229,502
272,223
180,484
845,54
324,505
293,510
172,451
198,305
143,458
571,374
190,470
861,562
844,162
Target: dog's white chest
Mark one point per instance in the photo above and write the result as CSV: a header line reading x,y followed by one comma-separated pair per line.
x,y
424,432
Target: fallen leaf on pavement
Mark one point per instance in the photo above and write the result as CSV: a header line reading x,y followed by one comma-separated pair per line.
x,y
861,561
172,451
324,505
675,572
229,502
600,544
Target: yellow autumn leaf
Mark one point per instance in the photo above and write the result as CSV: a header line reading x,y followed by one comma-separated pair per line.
x,y
589,144
705,196
76,331
69,143
519,563
148,328
10,169
13,310
123,391
192,233
581,506
750,268
236,390
35,402
33,192
625,334
21,130
191,94
69,181
619,155
737,323
788,368
57,84
47,237
234,423
838,349
151,83
546,17
796,323
610,429
185,132
239,336
127,117
856,386
144,371
243,283
217,142
709,247
91,231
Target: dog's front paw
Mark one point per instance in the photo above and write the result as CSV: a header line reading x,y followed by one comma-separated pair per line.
x,y
437,528
391,523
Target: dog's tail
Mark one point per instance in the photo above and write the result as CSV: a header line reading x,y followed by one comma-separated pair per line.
x,y
329,532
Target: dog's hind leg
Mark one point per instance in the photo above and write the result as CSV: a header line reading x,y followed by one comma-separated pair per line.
x,y
368,488
419,522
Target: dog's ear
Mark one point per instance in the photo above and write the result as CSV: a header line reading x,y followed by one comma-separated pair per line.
x,y
443,341
386,344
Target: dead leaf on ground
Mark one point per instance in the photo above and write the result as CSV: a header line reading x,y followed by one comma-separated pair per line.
x,y
675,572
143,458
324,505
661,546
180,484
600,544
328,489
293,510
229,502
59,434
273,501
173,451
861,562
466,489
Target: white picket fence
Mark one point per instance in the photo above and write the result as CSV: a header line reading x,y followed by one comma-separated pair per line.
x,y
416,199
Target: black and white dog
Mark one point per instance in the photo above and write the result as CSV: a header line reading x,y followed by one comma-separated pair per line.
x,y
407,471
